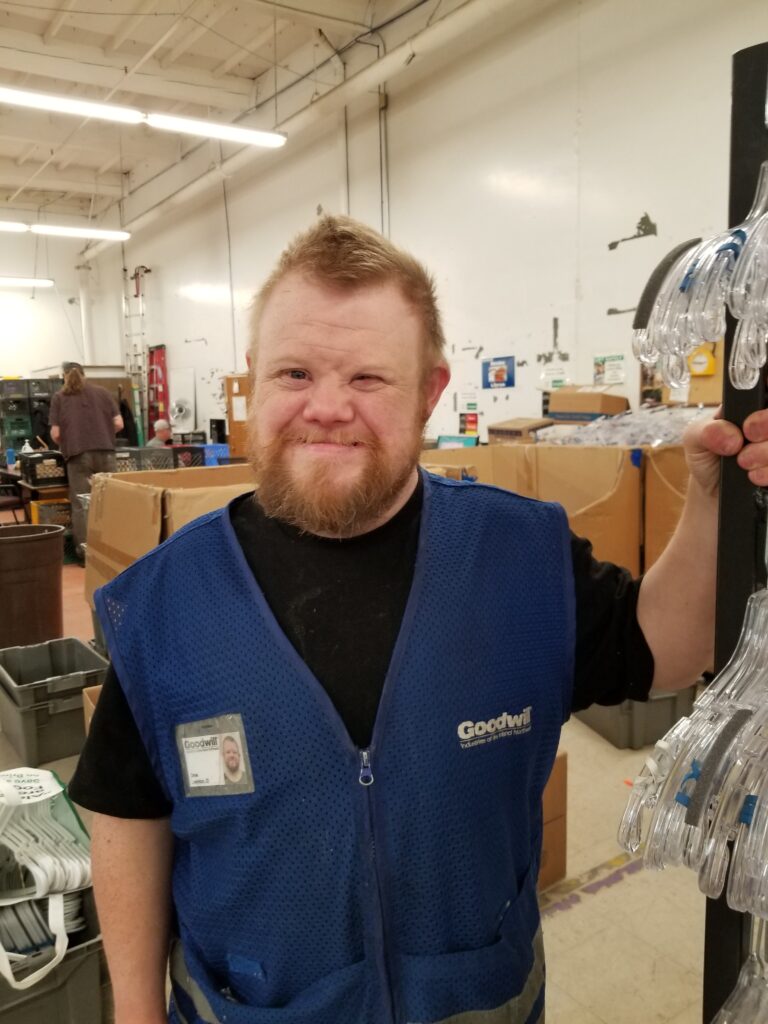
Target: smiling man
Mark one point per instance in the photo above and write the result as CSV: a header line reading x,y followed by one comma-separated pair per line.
x,y
396,654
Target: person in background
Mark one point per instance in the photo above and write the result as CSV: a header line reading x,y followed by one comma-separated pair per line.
x,y
84,421
162,429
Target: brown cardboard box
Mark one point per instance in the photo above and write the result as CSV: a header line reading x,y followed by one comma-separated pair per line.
x,y
600,488
451,472
578,404
552,867
517,431
666,481
131,513
555,817
90,697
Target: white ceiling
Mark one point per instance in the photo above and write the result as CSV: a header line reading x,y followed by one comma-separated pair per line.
x,y
197,58
264,64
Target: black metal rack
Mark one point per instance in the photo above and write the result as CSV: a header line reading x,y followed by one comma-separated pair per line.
x,y
741,567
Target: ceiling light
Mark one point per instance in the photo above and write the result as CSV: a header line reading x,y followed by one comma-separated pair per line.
x,y
68,105
209,130
26,282
12,225
128,115
57,229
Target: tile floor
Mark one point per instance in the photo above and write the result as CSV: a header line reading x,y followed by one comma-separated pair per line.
x,y
626,949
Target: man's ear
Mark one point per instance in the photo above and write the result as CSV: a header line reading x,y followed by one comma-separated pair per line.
x,y
248,360
435,384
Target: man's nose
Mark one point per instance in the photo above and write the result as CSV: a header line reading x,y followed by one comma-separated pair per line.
x,y
328,402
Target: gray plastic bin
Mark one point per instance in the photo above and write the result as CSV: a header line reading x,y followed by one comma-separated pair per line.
x,y
637,724
32,675
72,992
43,732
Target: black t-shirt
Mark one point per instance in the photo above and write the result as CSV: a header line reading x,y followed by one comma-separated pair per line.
x,y
340,603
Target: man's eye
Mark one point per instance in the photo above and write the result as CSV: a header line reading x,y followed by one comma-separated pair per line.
x,y
296,374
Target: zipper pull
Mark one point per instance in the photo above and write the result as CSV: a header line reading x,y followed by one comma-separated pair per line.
x,y
366,775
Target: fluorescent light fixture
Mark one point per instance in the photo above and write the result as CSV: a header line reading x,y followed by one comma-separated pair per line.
x,y
57,229
26,282
128,115
210,130
106,234
68,105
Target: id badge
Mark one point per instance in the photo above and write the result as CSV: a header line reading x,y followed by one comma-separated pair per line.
x,y
214,757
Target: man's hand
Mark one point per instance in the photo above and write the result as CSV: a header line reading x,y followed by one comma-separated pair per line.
x,y
705,441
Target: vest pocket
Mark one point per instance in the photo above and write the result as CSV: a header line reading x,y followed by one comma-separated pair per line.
x,y
338,997
508,973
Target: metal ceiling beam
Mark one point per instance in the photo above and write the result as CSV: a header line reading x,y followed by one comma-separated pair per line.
x,y
82,182
87,65
52,130
58,20
249,49
23,157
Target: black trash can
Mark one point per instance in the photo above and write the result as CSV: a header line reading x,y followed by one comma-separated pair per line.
x,y
31,558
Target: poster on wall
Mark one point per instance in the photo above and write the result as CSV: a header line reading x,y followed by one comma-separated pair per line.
x,y
609,369
499,372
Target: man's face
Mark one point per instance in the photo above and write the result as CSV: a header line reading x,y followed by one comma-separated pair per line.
x,y
231,755
339,404
163,434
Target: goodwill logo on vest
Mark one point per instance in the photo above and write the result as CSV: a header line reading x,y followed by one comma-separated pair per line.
x,y
474,734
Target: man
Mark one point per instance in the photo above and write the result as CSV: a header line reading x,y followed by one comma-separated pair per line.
x,y
230,754
84,421
162,434
350,623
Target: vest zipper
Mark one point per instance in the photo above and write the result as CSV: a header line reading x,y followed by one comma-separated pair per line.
x,y
365,778
366,774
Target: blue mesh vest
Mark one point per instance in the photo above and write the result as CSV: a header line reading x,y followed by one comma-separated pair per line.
x,y
395,885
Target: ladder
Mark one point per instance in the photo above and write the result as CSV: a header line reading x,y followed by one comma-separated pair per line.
x,y
135,344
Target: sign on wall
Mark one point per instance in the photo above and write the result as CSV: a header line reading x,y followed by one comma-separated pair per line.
x,y
499,372
609,369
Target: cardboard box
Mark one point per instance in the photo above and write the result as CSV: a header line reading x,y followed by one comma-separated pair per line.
x,y
451,472
600,488
704,389
90,697
131,513
517,431
666,483
582,404
552,867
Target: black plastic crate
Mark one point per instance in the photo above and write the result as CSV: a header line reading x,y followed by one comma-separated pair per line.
x,y
43,469
127,460
41,388
14,389
185,456
10,407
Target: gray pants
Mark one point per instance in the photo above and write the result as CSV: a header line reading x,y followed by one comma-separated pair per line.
x,y
80,469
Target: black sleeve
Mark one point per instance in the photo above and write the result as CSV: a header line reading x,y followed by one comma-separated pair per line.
x,y
613,659
114,774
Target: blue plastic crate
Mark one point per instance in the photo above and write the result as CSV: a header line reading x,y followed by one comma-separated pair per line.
x,y
214,452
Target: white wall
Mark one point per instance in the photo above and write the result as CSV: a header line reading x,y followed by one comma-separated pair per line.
x,y
41,328
511,167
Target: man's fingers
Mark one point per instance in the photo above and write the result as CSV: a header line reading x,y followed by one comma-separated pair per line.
x,y
754,456
756,426
722,438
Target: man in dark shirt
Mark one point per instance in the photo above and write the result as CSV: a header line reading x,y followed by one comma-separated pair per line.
x,y
84,421
347,366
